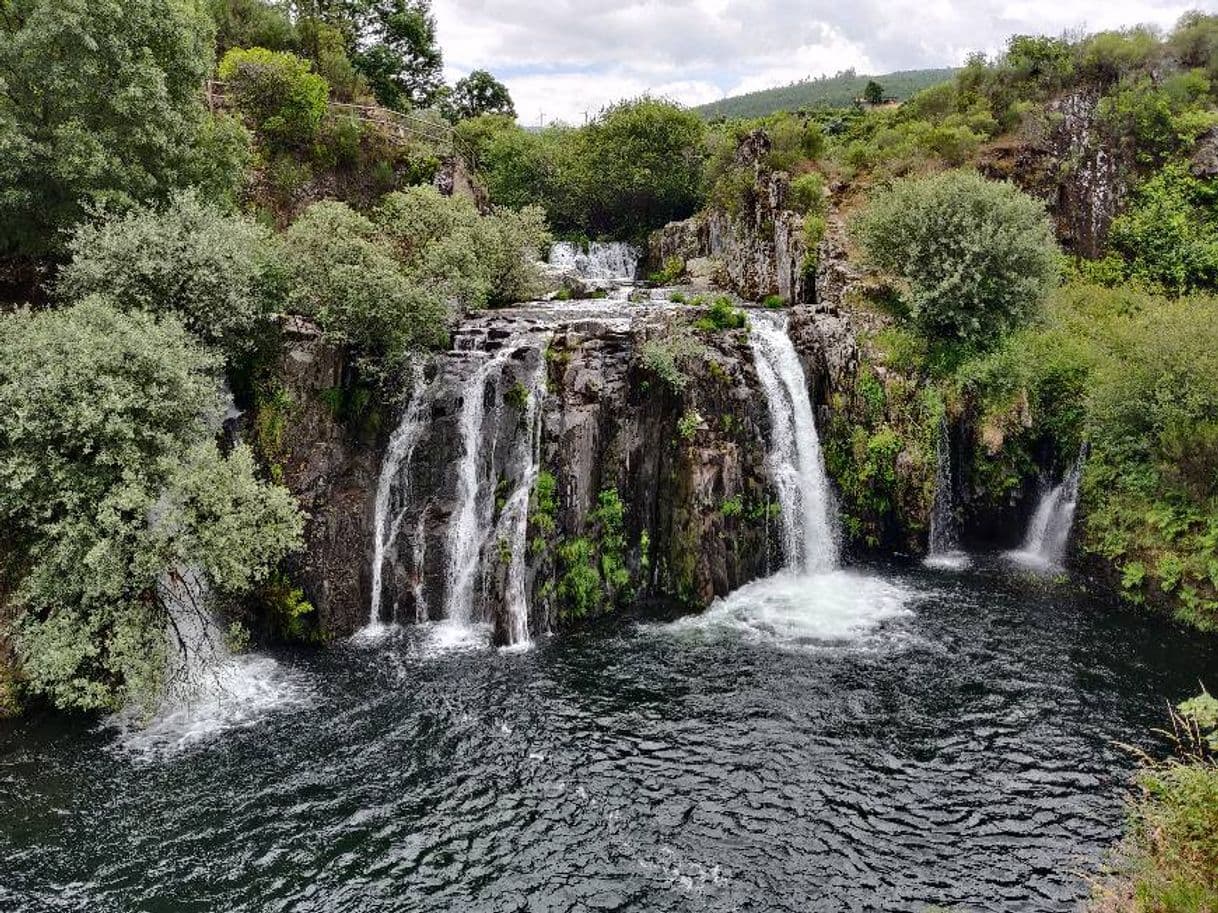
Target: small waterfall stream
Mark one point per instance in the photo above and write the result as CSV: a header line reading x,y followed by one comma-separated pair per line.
x,y
395,469
472,521
603,261
944,550
1048,532
513,525
810,541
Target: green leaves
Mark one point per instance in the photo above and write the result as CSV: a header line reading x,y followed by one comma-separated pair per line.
x,y
109,481
977,256
212,269
101,107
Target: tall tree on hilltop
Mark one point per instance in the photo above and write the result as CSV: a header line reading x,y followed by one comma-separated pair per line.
x,y
481,93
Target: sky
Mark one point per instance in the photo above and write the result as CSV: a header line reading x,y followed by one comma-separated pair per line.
x,y
564,59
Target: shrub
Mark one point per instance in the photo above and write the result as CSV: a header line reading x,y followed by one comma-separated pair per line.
x,y
446,244
1169,858
347,278
212,269
808,194
721,315
668,357
277,92
1110,55
111,485
977,256
1169,235
673,269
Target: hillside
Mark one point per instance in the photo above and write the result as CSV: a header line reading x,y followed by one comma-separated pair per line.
x,y
827,92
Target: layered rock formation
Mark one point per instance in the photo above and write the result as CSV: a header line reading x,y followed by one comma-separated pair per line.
x,y
759,250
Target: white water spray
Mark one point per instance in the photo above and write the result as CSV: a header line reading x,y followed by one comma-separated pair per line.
x,y
796,464
207,690
603,261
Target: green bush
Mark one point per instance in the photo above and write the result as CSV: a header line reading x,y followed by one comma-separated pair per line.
x,y
976,256
212,269
1169,235
808,194
347,278
722,315
1168,862
669,356
476,260
277,92
107,491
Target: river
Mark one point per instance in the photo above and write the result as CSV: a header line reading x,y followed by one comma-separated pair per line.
x,y
879,739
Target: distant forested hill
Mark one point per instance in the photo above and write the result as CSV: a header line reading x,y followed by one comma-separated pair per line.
x,y
827,92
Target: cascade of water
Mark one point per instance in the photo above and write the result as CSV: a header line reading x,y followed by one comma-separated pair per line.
x,y
471,523
514,519
1049,531
395,474
944,534
604,260
206,688
795,461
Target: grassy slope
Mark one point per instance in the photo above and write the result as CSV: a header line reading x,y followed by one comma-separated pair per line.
x,y
829,92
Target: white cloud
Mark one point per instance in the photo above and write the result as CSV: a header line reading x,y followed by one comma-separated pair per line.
x,y
565,57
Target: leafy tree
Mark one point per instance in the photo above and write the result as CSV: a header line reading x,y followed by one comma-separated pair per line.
x,y
975,256
637,167
278,93
481,93
213,270
111,484
252,24
341,273
100,106
873,93
394,47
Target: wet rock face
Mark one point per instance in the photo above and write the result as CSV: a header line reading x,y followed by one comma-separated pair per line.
x,y
690,467
332,473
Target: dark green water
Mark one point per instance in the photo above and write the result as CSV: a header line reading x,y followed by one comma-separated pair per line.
x,y
841,745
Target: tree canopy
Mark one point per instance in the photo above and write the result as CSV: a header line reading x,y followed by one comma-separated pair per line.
x,y
101,106
975,256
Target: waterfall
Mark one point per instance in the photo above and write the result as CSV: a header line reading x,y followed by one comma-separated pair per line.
x,y
472,522
795,461
604,260
395,468
1049,531
513,523
944,527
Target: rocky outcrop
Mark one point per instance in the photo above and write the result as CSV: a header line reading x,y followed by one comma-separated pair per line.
x,y
758,246
1067,159
686,468
328,459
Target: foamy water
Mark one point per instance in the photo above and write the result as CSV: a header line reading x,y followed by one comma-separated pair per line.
x,y
238,693
802,609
